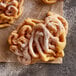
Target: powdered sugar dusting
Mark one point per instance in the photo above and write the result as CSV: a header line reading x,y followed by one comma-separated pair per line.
x,y
15,69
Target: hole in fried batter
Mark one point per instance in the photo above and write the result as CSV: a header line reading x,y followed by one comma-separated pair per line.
x,y
61,38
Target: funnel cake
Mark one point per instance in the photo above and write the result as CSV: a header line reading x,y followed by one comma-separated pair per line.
x,y
9,11
49,1
36,40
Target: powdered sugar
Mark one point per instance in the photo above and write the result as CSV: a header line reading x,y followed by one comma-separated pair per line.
x,y
14,69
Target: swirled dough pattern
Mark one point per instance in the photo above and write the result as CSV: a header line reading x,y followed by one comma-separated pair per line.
x,y
39,39
9,11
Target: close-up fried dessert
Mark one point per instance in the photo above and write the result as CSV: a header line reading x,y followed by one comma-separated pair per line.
x,y
9,11
39,40
37,37
49,1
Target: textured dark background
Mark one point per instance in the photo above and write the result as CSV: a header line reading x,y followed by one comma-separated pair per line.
x,y
68,68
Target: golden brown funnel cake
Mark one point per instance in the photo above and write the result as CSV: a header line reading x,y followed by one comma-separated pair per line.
x,y
9,11
43,40
49,1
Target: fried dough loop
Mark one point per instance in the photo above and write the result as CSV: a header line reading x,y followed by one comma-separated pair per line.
x,y
39,39
9,11
49,1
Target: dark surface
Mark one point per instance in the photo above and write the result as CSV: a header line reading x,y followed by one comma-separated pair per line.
x,y
68,68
